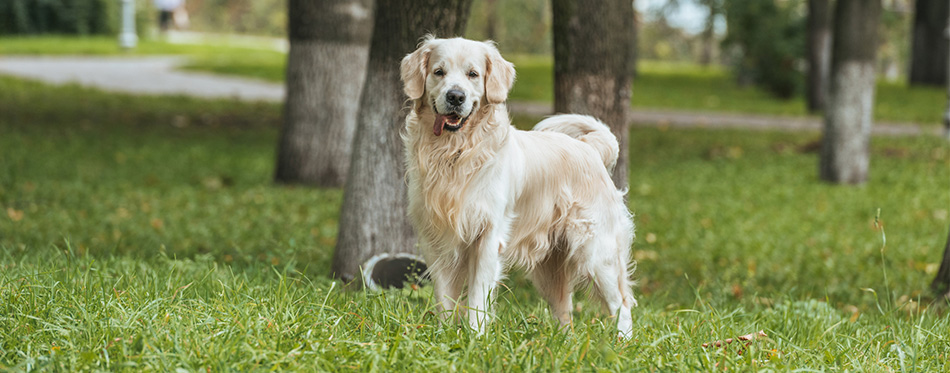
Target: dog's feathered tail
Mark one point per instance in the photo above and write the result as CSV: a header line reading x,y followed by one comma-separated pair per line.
x,y
588,130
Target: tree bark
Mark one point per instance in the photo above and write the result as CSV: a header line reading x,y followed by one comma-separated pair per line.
x,y
491,19
593,55
929,52
941,283
708,37
635,44
844,150
709,31
329,45
819,53
373,218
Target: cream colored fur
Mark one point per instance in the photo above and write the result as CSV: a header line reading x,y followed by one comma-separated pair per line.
x,y
489,196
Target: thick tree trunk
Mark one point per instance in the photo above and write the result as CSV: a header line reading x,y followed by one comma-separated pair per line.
x,y
844,150
929,52
941,283
819,53
373,218
593,55
329,45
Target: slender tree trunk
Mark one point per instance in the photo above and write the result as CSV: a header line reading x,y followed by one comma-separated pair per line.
x,y
819,53
329,45
844,150
941,283
491,19
373,218
593,55
709,37
635,63
946,114
929,52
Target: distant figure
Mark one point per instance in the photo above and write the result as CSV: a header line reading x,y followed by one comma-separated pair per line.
x,y
166,12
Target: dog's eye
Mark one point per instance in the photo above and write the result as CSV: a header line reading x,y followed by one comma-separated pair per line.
x,y
472,74
439,72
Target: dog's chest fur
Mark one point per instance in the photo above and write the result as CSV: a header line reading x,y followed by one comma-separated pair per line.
x,y
451,194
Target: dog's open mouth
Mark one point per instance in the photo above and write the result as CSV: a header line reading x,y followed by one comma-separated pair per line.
x,y
452,122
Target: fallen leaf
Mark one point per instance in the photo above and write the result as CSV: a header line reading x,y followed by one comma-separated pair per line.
x,y
651,237
14,214
745,338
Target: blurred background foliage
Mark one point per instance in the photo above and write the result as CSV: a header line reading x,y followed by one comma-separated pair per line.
x,y
256,17
68,17
761,42
766,43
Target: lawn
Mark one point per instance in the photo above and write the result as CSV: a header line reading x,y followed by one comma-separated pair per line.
x,y
145,233
659,85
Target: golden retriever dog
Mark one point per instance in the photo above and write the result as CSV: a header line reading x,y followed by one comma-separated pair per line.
x,y
484,196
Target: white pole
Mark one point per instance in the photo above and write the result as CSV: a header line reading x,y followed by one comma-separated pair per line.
x,y
127,37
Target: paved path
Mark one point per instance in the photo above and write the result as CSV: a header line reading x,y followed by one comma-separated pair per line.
x,y
143,75
160,75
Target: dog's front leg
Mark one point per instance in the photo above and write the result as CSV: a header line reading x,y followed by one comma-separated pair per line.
x,y
447,287
484,273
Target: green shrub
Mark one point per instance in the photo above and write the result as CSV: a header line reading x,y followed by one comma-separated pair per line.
x,y
74,17
767,39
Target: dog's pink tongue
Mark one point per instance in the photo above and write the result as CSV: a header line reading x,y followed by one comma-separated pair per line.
x,y
439,124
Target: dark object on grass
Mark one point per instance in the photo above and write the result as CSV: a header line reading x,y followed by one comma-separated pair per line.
x,y
393,271
941,283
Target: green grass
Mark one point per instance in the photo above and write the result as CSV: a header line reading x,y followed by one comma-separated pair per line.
x,y
659,85
145,233
664,85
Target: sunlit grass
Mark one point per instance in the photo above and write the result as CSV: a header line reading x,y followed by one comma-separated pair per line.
x,y
145,233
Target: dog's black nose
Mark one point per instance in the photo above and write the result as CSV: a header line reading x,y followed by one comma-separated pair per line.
x,y
455,97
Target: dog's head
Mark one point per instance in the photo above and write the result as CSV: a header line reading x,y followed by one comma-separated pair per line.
x,y
454,77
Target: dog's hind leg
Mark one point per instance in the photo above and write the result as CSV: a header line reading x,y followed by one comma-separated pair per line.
x,y
612,281
553,278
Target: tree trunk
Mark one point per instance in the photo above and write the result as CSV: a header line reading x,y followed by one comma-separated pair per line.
x,y
635,45
946,114
844,150
705,56
593,54
373,219
329,45
941,283
819,53
491,19
929,53
709,35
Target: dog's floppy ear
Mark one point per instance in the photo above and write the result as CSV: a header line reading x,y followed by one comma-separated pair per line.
x,y
499,75
414,68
